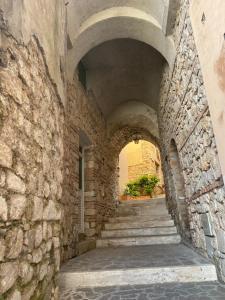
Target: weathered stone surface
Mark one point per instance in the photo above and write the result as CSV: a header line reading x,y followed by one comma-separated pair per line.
x,y
32,129
29,239
56,242
3,209
17,206
2,249
207,224
223,266
57,258
38,236
221,240
14,183
15,295
14,242
209,246
43,271
37,256
25,272
2,178
28,291
46,189
8,276
184,116
5,155
51,212
37,209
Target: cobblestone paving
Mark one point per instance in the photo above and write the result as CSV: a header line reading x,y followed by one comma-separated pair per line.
x,y
172,291
134,257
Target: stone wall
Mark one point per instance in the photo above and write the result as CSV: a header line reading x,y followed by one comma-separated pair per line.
x,y
184,116
31,151
83,115
148,164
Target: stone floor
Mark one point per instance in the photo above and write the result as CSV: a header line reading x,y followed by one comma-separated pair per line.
x,y
137,257
171,291
134,257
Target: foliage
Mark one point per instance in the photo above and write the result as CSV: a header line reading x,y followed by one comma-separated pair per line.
x,y
144,185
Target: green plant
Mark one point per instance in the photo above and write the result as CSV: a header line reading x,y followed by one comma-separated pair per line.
x,y
144,185
132,189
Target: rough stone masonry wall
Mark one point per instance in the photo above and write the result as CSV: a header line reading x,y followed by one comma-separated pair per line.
x,y
82,114
31,151
184,116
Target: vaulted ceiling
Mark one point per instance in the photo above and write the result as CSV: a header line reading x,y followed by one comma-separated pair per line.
x,y
123,45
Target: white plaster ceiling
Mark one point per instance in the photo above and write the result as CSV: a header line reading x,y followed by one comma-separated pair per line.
x,y
92,22
80,10
123,45
122,70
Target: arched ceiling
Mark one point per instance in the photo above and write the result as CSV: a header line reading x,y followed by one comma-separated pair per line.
x,y
123,45
92,22
134,114
123,70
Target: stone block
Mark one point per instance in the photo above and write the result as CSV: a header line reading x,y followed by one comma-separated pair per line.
x,y
17,206
2,249
221,240
26,272
14,242
3,209
14,295
8,276
38,236
51,212
15,183
43,271
56,242
37,256
2,178
57,259
209,246
207,224
5,156
90,212
223,267
29,239
29,290
37,209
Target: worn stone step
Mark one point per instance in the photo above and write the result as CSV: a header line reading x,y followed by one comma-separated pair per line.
x,y
139,241
150,202
138,232
142,211
139,276
139,224
143,218
143,265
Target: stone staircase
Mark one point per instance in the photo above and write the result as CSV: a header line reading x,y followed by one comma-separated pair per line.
x,y
154,260
139,223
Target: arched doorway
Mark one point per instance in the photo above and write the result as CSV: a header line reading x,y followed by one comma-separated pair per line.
x,y
177,189
137,160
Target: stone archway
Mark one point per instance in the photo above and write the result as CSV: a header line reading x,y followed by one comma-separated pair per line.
x,y
119,139
177,189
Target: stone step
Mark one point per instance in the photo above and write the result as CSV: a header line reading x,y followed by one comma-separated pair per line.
x,y
139,241
138,232
143,265
143,218
141,211
139,276
150,202
139,224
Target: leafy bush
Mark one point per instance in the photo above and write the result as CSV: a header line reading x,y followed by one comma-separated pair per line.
x,y
144,185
